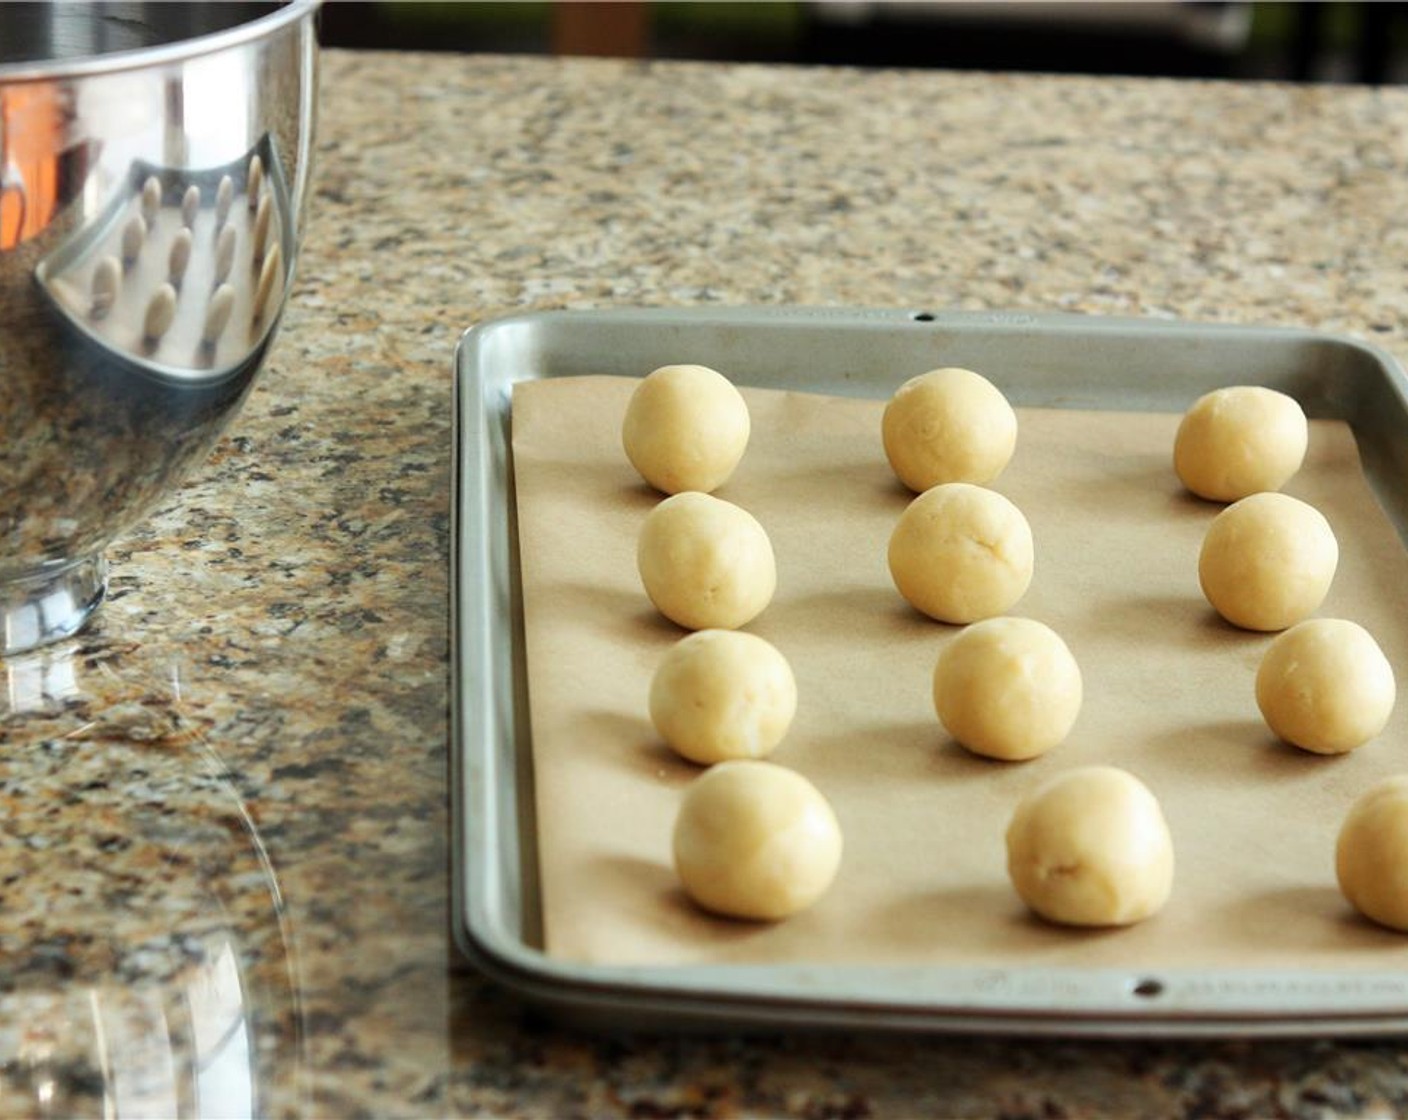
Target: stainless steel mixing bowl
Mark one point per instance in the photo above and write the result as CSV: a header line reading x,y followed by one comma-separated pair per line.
x,y
154,164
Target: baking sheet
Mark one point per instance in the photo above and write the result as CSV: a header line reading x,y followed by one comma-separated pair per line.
x,y
1169,696
1051,361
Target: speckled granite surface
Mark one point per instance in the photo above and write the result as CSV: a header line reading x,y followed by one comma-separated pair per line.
x,y
223,811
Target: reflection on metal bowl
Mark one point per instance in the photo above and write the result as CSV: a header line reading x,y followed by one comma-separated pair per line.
x,y
154,161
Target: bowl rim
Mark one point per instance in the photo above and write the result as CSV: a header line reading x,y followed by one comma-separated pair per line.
x,y
291,11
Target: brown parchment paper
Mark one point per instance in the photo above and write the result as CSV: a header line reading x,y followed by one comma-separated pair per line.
x,y
1168,695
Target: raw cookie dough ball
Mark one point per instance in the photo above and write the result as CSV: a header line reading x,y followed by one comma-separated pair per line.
x,y
721,694
1267,561
960,553
686,428
1091,848
1325,686
706,563
754,840
1371,857
948,425
1239,441
1007,688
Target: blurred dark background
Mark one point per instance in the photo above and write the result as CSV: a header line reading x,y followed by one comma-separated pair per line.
x,y
1337,42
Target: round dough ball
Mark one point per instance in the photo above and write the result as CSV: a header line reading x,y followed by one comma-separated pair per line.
x,y
1267,561
706,563
948,425
686,428
755,840
1371,856
960,553
1007,688
720,694
1239,441
1325,686
1091,848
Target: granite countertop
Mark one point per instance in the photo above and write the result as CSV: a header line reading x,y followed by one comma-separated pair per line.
x,y
232,791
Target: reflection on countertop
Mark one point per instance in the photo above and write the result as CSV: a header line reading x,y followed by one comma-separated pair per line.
x,y
227,804
146,967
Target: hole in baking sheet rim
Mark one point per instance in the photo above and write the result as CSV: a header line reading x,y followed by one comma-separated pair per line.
x,y
922,316
1147,988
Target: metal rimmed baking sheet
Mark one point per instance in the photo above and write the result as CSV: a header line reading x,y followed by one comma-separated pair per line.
x,y
1051,362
